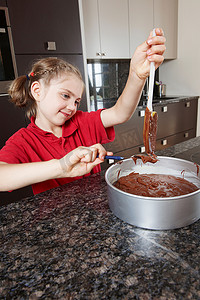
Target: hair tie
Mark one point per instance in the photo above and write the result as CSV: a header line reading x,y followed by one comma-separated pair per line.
x,y
27,77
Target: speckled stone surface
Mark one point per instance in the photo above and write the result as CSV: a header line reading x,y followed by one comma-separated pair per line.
x,y
67,244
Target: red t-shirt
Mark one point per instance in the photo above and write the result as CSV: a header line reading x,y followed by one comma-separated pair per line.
x,y
32,144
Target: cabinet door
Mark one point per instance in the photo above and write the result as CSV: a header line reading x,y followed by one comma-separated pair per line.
x,y
166,17
106,28
114,28
176,117
3,3
35,23
91,28
12,119
129,134
169,141
141,22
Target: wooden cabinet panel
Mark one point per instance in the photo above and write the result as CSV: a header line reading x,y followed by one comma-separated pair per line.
x,y
12,119
35,22
169,141
128,134
176,117
106,28
139,30
3,3
91,28
114,28
166,17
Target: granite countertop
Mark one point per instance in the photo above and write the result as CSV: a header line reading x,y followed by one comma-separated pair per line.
x,y
66,244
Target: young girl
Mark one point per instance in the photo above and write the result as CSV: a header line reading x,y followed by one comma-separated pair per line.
x,y
61,143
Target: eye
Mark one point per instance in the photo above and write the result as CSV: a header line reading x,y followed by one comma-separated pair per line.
x,y
65,96
78,102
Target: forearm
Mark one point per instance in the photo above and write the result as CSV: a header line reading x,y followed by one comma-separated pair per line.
x,y
15,176
78,162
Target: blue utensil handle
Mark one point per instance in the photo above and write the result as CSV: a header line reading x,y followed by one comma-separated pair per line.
x,y
114,157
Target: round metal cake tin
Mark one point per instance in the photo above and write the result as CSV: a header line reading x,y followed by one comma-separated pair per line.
x,y
151,212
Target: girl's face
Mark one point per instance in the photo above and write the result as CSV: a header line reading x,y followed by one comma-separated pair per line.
x,y
57,102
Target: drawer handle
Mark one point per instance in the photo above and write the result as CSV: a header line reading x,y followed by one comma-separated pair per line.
x,y
142,149
51,46
98,54
111,161
164,142
187,104
164,109
186,134
141,113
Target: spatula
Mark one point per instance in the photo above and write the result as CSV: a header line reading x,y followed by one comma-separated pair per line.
x,y
151,117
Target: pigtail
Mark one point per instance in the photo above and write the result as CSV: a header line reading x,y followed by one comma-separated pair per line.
x,y
18,91
20,95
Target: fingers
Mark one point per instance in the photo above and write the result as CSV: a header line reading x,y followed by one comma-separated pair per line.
x,y
156,47
94,151
159,39
84,155
159,32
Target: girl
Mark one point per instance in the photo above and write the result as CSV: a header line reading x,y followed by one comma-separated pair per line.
x,y
61,143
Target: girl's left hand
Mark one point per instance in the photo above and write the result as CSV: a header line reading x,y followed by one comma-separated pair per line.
x,y
82,160
151,50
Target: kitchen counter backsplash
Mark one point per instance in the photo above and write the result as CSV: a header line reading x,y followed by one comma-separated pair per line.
x,y
107,79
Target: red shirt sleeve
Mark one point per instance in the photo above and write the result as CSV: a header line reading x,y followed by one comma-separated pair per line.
x,y
14,152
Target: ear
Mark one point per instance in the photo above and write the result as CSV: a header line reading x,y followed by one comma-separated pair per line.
x,y
36,90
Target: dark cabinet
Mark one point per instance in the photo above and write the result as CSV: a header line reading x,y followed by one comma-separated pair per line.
x,y
177,122
45,27
3,3
12,119
176,117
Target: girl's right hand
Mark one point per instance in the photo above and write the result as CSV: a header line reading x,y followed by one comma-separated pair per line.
x,y
82,160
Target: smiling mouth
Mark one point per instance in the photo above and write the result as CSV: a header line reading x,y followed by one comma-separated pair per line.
x,y
65,114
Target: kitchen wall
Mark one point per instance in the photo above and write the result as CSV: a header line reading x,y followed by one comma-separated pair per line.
x,y
182,76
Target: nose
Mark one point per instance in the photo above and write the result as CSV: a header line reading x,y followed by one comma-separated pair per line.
x,y
71,105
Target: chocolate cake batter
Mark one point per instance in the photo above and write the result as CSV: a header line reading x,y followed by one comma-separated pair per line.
x,y
154,185
149,131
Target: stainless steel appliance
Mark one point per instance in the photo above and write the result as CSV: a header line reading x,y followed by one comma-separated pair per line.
x,y
8,69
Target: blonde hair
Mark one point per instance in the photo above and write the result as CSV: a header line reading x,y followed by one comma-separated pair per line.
x,y
44,69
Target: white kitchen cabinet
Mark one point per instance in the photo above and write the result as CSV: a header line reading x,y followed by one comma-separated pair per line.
x,y
141,22
166,17
114,28
91,28
106,28
144,15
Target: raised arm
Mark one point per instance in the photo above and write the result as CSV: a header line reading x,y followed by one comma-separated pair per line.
x,y
78,162
151,50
